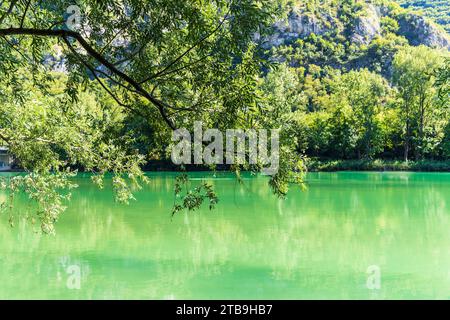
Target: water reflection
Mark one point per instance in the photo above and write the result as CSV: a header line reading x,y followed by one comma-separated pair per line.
x,y
314,244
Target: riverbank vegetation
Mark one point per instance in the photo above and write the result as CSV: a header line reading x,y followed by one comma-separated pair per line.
x,y
378,165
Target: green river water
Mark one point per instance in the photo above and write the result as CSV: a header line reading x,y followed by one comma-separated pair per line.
x,y
316,244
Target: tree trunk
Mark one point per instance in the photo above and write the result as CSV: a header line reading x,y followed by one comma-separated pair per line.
x,y
406,150
407,134
419,151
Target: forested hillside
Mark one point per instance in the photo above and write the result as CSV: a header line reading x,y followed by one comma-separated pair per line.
x,y
357,80
438,10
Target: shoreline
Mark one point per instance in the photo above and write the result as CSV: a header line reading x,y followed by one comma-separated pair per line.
x,y
378,165
313,165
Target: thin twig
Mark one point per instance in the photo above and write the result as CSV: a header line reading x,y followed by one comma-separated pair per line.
x,y
189,49
25,13
10,9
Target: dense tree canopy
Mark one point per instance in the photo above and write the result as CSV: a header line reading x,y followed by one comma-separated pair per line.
x,y
361,115
163,65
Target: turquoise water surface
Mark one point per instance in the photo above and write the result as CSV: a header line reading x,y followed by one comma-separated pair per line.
x,y
318,243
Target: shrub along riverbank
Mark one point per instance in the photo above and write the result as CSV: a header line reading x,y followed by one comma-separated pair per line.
x,y
315,165
378,165
332,165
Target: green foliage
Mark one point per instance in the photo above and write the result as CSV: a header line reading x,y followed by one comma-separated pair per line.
x,y
438,10
443,80
135,70
51,136
381,52
192,199
423,114
359,114
48,191
360,98
379,165
389,25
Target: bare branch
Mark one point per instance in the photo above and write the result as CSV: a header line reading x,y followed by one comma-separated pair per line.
x,y
187,66
54,24
115,81
114,37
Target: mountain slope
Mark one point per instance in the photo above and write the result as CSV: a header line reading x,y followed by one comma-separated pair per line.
x,y
359,22
357,79
438,10
350,34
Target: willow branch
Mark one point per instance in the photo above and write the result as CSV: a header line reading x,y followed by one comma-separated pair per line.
x,y
97,56
204,38
25,13
99,80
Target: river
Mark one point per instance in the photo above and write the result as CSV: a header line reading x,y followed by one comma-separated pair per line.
x,y
350,235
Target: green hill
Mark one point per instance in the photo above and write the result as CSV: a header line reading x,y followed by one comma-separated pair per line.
x,y
350,34
355,80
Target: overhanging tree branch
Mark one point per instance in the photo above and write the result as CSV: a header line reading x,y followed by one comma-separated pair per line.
x,y
25,13
90,68
201,40
65,34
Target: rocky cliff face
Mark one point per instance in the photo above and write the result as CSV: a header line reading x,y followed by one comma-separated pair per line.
x,y
419,31
367,26
297,26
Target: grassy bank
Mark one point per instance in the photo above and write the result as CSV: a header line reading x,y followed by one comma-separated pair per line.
x,y
378,165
